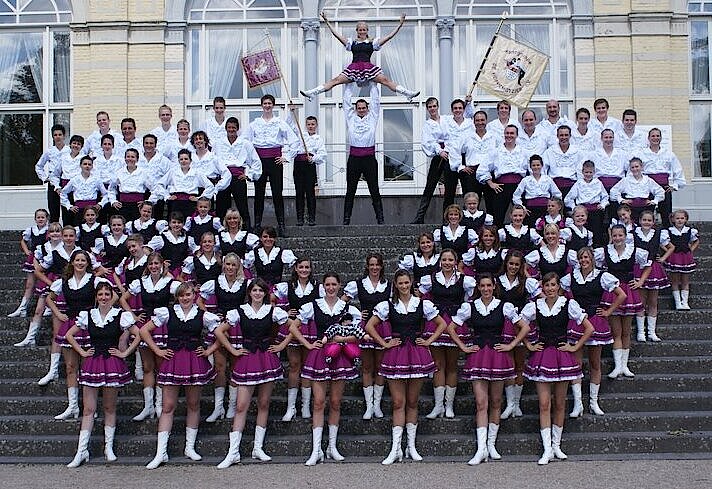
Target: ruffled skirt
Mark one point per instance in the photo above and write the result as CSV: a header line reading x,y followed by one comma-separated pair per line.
x,y
552,365
185,368
407,361
256,368
488,364
100,371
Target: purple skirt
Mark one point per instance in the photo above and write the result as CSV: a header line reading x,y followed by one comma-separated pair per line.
x,y
488,364
552,365
257,368
407,361
681,263
308,331
103,371
383,329
656,280
630,307
185,368
136,304
315,367
444,339
42,288
28,264
361,72
82,336
601,331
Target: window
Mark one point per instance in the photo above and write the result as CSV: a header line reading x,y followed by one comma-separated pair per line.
x,y
700,76
35,67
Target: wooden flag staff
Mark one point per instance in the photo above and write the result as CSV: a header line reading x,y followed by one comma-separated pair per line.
x,y
487,53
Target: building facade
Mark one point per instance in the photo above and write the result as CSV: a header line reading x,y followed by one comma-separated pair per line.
x,y
62,61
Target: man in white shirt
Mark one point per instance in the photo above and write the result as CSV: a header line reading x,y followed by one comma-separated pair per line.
x,y
496,126
631,139
603,120
156,165
533,138
49,160
166,132
554,119
214,125
92,144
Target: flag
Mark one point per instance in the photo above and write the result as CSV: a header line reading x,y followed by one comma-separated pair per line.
x,y
260,68
512,71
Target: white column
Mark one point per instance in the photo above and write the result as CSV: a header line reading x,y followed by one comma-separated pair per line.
x,y
445,27
311,62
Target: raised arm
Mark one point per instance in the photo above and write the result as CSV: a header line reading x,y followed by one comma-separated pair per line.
x,y
390,35
338,36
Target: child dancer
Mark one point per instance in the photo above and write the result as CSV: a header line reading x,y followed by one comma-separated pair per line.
x,y
591,194
472,217
625,218
202,221
146,225
653,240
180,187
174,244
204,264
636,189
32,237
538,189
112,248
580,236
682,262
91,230
344,328
554,215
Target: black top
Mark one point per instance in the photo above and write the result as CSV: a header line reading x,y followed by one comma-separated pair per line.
x,y
588,294
369,301
623,270
101,339
488,265
151,301
184,335
272,271
487,329
239,246
652,246
577,242
149,232
175,252
553,329
460,244
448,299
114,254
559,267
81,299
522,243
227,300
87,238
324,320
361,51
295,302
406,326
682,241
256,333
197,230
202,273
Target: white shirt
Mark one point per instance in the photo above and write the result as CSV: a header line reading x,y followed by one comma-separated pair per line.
x,y
533,188
477,150
105,168
157,166
382,309
586,142
351,289
197,219
66,168
314,142
574,310
503,161
225,236
613,165
161,316
664,161
212,168
611,123
92,144
270,134
156,243
213,129
165,138
83,189
362,130
121,146
444,233
630,188
497,127
535,144
468,283
465,311
136,182
458,133
432,135
50,159
175,181
550,127
563,165
288,257
631,145
170,149
584,192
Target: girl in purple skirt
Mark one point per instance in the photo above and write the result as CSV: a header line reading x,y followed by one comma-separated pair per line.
x,y
361,70
256,363
407,360
221,295
552,256
447,289
653,240
619,259
487,256
205,264
77,287
301,289
32,237
103,367
370,290
682,262
587,285
552,363
174,244
153,289
332,375
488,363
185,364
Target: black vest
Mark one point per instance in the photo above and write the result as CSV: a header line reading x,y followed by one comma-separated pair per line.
x,y
475,223
448,299
175,253
239,246
204,274
296,302
153,300
488,265
623,270
81,299
361,51
522,243
487,329
184,335
324,320
406,326
588,294
577,242
553,329
131,274
37,239
558,267
460,244
272,271
420,272
102,339
197,230
681,242
149,232
227,300
652,246
514,296
87,238
369,301
114,254
256,333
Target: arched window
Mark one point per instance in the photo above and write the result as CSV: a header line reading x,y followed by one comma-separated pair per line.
x,y
35,70
700,12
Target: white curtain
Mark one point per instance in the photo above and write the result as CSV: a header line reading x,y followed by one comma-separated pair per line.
x,y
537,36
701,139
32,44
398,58
224,61
9,57
61,67
700,52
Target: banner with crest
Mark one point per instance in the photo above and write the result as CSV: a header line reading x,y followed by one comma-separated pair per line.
x,y
260,68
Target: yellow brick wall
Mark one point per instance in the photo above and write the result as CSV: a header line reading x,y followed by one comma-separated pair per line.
x,y
145,10
107,10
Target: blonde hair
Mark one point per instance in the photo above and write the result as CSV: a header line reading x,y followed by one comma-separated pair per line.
x,y
230,213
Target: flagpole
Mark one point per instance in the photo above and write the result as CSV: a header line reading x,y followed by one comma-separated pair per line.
x,y
286,90
487,53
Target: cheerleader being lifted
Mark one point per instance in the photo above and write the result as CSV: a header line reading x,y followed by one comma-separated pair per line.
x,y
361,70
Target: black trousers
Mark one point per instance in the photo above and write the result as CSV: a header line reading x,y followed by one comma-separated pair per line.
x,y
53,205
236,190
129,210
597,225
665,209
185,207
355,167
304,182
438,166
498,203
273,173
470,184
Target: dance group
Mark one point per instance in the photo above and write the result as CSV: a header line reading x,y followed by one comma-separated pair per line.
x,y
203,299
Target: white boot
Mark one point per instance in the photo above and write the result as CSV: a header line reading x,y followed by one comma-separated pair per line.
x,y
148,409
332,452
438,408
231,402
411,430
317,455
72,410
257,452
82,450
233,453
652,324
640,323
291,404
396,452
546,442
509,410
481,453
578,404
678,299
219,409
410,94
159,401
624,363
30,336
53,372
368,396
617,361
306,402
593,399
450,401
190,435
517,398
138,367
492,431
684,298
556,432
161,450
314,91
109,443
377,396
21,310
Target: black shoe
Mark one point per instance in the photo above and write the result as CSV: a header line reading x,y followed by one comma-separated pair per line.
x,y
311,221
417,220
347,221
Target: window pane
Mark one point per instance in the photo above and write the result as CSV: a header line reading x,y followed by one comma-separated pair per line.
x,y
537,35
702,153
195,64
225,71
20,148
21,67
397,57
700,65
62,67
398,144
64,118
565,45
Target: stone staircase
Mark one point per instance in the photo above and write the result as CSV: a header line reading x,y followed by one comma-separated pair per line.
x,y
665,411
